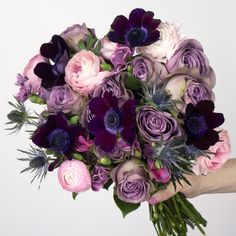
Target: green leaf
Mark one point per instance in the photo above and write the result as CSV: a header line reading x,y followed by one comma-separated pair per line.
x,y
81,45
108,184
74,195
34,98
132,83
90,42
125,207
97,48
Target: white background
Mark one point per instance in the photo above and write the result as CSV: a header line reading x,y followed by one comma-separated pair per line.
x,y
24,26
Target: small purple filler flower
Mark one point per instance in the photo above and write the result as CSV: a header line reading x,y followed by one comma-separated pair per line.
x,y
100,176
110,120
139,30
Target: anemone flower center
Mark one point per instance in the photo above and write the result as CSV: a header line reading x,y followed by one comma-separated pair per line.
x,y
136,36
59,140
112,120
197,126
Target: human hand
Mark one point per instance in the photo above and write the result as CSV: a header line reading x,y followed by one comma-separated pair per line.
x,y
189,191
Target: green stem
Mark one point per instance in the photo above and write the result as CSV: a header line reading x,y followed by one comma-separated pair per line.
x,y
190,214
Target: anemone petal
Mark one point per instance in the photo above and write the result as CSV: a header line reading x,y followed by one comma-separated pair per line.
x,y
135,17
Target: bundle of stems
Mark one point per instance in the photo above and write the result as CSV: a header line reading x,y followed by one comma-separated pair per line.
x,y
171,218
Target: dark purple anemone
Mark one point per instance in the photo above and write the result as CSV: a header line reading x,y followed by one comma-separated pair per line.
x,y
57,51
110,120
200,123
139,30
57,135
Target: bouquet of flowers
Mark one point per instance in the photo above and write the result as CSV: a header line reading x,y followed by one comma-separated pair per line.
x,y
134,109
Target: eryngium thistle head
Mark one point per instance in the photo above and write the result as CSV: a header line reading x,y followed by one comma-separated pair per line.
x,y
161,98
18,117
38,163
176,156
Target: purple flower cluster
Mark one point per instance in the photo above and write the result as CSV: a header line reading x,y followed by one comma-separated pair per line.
x,y
126,108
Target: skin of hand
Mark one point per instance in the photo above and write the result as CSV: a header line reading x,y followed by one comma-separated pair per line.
x,y
222,180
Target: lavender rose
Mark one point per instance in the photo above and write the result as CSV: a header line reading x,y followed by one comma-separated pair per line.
x,y
155,126
189,54
100,176
72,35
132,183
116,53
115,86
118,154
147,69
62,98
190,87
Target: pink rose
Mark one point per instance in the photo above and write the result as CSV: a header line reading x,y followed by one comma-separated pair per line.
x,y
74,176
221,153
34,82
83,73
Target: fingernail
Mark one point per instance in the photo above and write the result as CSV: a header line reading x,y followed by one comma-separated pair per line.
x,y
153,201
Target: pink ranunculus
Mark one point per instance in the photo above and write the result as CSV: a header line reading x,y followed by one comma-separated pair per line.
x,y
83,73
221,153
74,176
33,80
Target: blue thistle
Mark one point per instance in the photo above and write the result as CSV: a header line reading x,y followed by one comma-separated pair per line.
x,y
38,163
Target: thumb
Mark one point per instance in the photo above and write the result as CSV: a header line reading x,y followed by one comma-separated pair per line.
x,y
163,195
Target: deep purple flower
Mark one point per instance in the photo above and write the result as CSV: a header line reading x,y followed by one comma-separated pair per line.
x,y
110,120
100,176
155,125
148,151
200,123
58,52
56,134
139,30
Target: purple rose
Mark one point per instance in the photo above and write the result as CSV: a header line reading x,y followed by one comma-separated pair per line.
x,y
147,69
72,35
62,98
189,54
119,152
132,182
116,87
116,53
190,87
155,126
100,176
